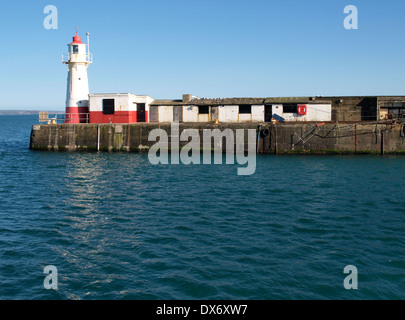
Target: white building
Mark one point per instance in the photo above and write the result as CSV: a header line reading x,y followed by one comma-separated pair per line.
x,y
118,108
241,110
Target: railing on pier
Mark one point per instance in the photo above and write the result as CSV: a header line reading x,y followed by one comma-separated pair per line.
x,y
56,118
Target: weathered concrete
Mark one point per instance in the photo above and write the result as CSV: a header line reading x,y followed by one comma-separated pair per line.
x,y
354,108
278,138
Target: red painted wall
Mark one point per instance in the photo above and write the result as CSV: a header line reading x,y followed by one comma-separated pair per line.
x,y
76,114
117,117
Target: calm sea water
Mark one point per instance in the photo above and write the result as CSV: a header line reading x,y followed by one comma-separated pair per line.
x,y
117,227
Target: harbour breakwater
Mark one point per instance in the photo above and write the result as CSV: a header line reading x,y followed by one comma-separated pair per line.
x,y
272,138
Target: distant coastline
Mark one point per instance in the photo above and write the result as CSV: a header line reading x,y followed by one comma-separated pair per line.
x,y
24,112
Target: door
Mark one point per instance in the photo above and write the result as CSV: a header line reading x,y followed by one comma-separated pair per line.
x,y
140,114
178,113
268,112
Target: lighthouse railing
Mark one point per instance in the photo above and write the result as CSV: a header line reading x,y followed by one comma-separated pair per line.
x,y
59,118
76,118
67,57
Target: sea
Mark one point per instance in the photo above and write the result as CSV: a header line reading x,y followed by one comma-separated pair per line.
x,y
114,226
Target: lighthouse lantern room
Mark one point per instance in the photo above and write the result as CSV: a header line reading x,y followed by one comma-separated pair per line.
x,y
78,58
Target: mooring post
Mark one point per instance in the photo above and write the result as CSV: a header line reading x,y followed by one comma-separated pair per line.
x,y
258,139
275,140
382,143
292,142
98,138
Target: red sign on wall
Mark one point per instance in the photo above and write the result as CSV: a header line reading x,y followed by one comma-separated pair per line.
x,y
302,109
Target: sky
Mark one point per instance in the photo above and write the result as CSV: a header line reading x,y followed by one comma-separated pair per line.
x,y
208,48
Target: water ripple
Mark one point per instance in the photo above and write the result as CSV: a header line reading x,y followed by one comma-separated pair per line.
x,y
119,228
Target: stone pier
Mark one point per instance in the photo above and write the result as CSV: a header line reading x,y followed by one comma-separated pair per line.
x,y
277,138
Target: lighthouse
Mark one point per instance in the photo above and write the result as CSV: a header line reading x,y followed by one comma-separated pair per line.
x,y
78,58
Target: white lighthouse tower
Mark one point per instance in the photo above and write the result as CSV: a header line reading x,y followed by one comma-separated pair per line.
x,y
78,59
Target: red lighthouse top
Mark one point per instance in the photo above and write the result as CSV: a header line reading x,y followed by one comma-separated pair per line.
x,y
77,39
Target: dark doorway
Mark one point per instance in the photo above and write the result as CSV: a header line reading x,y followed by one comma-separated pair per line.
x,y
140,114
268,112
368,109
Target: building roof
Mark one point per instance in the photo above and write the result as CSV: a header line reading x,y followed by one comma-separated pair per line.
x,y
111,94
167,103
240,101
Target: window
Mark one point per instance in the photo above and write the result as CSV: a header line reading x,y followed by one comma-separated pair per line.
x,y
203,109
245,108
290,108
108,106
75,49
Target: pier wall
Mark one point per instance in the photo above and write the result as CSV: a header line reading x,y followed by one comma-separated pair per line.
x,y
274,138
354,108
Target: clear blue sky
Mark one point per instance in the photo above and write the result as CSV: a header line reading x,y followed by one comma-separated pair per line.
x,y
209,48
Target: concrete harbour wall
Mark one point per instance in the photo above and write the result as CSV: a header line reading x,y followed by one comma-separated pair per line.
x,y
339,138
